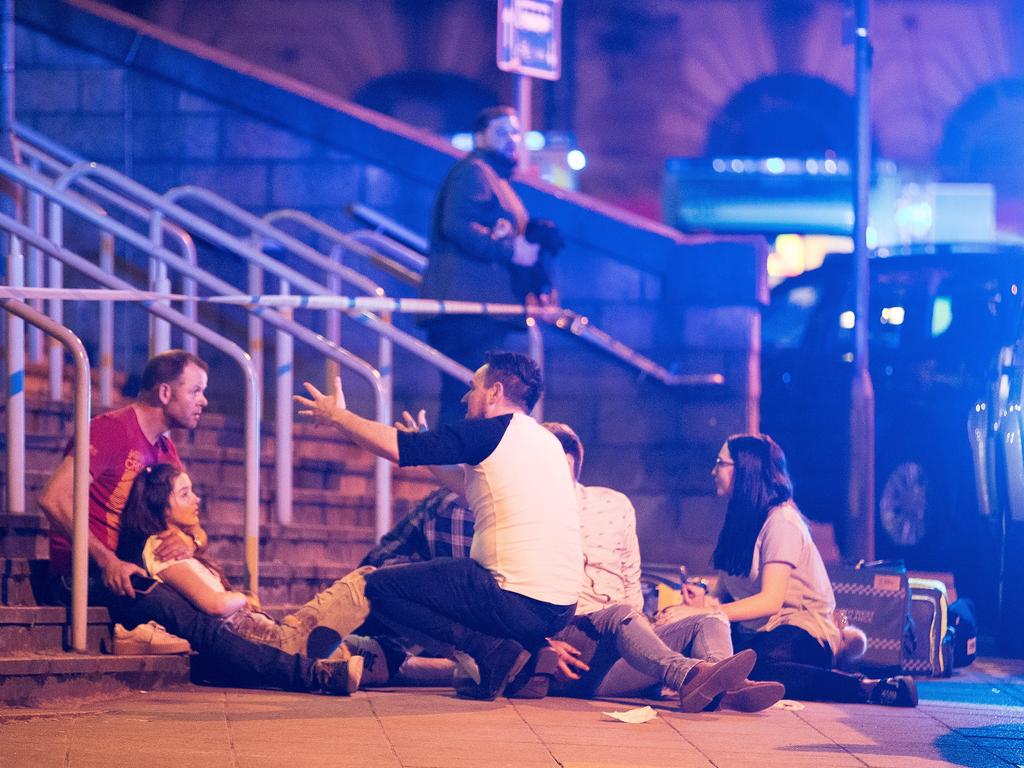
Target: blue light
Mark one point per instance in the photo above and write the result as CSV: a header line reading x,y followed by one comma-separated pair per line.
x,y
775,165
534,140
463,141
576,159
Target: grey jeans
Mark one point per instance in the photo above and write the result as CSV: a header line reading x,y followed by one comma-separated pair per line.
x,y
694,637
341,607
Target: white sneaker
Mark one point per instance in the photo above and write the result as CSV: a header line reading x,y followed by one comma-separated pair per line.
x,y
147,639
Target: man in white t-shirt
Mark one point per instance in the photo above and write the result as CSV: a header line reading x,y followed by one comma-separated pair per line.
x,y
526,561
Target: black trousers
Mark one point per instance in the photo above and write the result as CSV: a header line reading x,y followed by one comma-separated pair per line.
x,y
458,603
793,657
223,657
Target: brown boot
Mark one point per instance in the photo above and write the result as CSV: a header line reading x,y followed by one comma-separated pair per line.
x,y
752,696
706,680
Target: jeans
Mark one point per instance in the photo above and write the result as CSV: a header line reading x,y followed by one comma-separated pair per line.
x,y
627,655
341,607
223,657
794,658
703,637
458,603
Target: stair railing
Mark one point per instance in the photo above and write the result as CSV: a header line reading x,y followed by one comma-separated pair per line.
x,y
80,483
42,152
158,209
389,227
404,240
104,278
259,228
61,199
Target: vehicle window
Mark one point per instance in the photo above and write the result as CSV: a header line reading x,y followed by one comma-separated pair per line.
x,y
898,310
786,319
971,317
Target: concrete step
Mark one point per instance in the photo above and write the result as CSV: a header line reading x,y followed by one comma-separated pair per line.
x,y
33,680
289,584
23,581
24,536
293,544
44,629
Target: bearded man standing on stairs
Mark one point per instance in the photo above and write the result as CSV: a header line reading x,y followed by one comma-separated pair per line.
x,y
122,443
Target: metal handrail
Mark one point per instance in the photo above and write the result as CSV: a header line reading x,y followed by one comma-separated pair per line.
x,y
366,371
252,397
382,326
80,482
389,256
58,159
389,226
161,207
576,324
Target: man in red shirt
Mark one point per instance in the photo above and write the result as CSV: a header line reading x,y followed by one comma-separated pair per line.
x,y
121,444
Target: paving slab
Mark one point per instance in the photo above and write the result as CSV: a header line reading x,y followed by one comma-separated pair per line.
x,y
957,724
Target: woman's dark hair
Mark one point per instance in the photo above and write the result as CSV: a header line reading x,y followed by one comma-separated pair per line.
x,y
760,483
145,511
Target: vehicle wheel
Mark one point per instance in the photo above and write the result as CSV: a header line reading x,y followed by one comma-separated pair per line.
x,y
903,505
915,499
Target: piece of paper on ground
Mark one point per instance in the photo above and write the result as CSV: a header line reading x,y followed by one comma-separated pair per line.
x,y
639,715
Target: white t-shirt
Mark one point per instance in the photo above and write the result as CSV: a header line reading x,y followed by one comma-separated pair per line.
x,y
516,480
156,566
809,602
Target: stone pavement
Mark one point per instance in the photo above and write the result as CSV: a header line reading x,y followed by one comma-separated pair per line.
x,y
975,719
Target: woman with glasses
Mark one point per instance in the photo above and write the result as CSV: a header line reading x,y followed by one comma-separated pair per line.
x,y
773,586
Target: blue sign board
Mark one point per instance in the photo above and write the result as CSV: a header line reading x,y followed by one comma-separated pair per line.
x,y
530,37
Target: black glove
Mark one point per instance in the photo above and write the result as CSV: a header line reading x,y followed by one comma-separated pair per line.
x,y
544,232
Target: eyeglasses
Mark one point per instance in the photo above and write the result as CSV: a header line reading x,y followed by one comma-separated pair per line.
x,y
720,462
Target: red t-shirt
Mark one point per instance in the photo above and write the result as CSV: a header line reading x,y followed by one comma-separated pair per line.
x,y
118,451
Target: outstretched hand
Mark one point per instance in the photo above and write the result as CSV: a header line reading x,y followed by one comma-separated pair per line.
x,y
319,406
408,424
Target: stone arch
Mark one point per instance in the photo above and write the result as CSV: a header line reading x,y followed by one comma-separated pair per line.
x,y
982,138
787,115
442,102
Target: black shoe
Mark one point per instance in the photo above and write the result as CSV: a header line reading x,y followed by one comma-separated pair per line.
x,y
534,681
899,691
706,680
340,677
502,662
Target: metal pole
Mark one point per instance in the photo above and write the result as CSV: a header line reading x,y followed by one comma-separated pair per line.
x,y
860,528
524,106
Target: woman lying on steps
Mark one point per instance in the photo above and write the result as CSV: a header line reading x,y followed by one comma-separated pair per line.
x,y
162,498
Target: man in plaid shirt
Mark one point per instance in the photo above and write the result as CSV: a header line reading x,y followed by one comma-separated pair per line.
x,y
438,526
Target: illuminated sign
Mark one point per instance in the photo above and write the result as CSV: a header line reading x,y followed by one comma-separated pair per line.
x,y
530,37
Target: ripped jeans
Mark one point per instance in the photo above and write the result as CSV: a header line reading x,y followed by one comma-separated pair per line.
x,y
701,637
627,655
337,610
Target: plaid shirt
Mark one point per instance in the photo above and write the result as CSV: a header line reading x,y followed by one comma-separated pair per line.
x,y
438,526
